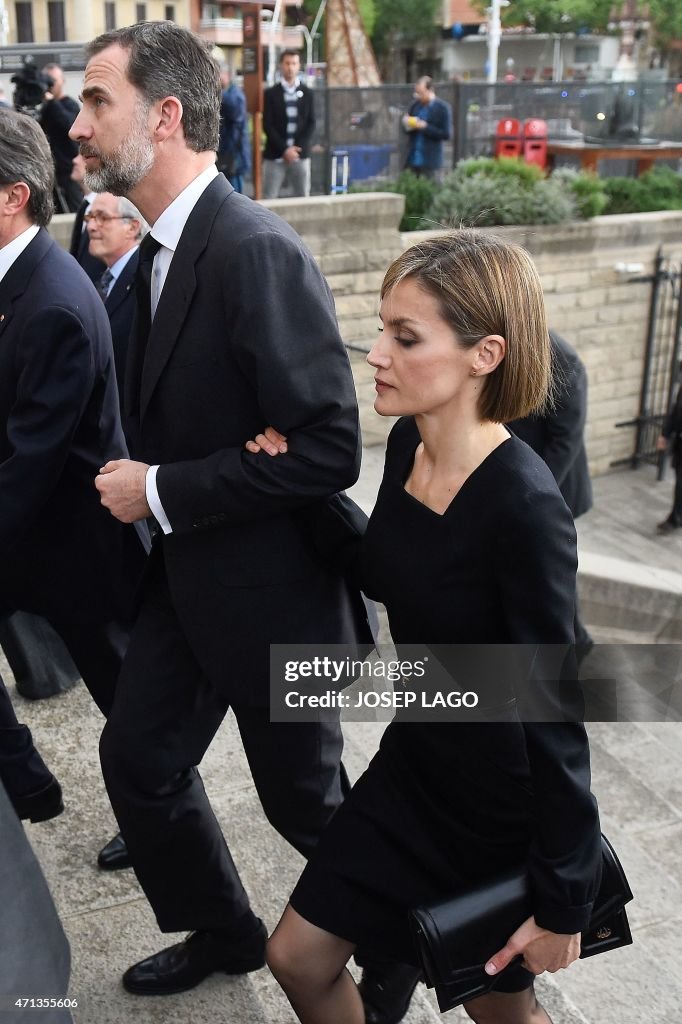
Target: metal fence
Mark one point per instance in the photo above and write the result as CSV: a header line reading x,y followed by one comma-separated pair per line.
x,y
661,368
366,123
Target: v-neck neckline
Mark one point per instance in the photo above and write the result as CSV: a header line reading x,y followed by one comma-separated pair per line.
x,y
409,465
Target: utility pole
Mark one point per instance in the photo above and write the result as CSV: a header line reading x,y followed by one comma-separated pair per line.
x,y
494,35
4,24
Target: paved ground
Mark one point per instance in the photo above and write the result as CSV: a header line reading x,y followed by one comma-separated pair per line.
x,y
637,779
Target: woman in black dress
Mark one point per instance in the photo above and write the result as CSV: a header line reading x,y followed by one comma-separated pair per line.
x,y
470,543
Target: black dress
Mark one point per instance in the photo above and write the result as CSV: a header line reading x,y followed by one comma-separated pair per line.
x,y
447,804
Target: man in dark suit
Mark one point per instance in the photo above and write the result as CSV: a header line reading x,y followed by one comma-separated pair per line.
x,y
288,123
116,229
235,328
57,114
558,437
62,557
79,246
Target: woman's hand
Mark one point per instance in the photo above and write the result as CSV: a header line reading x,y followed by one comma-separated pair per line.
x,y
270,441
541,950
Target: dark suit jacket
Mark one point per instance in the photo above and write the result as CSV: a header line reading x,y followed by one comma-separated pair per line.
x,y
275,122
56,118
120,306
79,247
61,552
557,436
244,335
438,118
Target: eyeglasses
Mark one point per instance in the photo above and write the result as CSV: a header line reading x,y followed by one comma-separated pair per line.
x,y
102,218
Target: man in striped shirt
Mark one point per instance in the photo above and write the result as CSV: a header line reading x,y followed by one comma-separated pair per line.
x,y
288,122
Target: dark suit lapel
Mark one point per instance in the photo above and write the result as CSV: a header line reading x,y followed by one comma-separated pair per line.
x,y
179,287
123,285
16,280
77,233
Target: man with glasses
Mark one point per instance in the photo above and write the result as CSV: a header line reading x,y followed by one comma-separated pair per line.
x,y
116,229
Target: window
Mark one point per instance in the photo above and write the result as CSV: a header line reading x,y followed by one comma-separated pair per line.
x,y
24,13
140,12
169,14
109,16
55,17
586,53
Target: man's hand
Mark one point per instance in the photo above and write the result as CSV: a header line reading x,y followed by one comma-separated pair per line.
x,y
291,154
661,443
121,486
270,441
541,950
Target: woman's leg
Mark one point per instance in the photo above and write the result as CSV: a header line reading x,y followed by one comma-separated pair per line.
x,y
310,965
507,1008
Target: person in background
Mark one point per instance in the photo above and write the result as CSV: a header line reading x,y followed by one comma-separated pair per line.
x,y
116,228
671,437
288,123
79,246
3,99
557,435
234,157
57,114
429,124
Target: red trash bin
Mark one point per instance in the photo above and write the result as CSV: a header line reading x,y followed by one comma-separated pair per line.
x,y
535,142
508,141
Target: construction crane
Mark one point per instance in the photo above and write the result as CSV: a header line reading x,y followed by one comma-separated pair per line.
x,y
350,58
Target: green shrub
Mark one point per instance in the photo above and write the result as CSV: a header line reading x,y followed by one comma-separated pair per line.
x,y
657,189
418,192
503,167
588,191
485,192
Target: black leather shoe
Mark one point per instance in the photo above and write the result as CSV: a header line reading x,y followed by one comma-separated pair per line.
x,y
185,965
46,803
114,856
386,991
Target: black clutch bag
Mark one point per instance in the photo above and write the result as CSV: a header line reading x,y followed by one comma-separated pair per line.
x,y
456,937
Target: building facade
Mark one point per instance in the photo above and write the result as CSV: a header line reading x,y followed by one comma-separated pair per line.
x,y
59,21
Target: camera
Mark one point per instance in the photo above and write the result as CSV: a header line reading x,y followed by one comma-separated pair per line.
x,y
30,86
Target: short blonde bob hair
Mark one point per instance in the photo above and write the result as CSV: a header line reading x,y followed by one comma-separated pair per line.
x,y
485,285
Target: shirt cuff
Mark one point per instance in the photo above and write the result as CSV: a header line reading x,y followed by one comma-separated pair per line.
x,y
154,501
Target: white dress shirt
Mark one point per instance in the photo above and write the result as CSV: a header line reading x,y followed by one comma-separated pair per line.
x,y
167,231
116,269
14,249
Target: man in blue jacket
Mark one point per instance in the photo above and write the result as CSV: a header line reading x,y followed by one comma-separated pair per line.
x,y
429,122
234,158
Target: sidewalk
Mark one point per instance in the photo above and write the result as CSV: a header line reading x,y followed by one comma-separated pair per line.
x,y
637,778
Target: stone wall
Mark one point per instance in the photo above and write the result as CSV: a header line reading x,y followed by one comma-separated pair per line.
x,y
353,239
599,310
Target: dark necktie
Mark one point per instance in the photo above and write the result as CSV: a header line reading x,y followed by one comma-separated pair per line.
x,y
148,250
102,285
